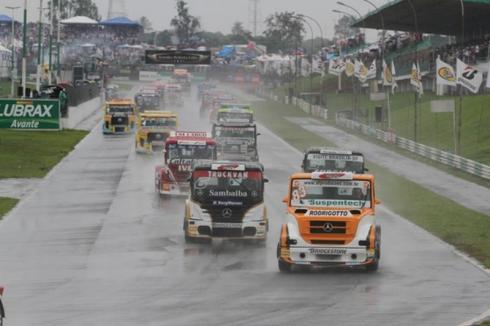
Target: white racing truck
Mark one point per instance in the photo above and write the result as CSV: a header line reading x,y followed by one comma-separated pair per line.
x,y
331,159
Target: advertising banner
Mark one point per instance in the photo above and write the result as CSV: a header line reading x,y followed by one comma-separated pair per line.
x,y
176,57
29,114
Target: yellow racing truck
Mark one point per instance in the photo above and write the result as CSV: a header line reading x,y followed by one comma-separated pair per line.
x,y
154,127
119,116
331,222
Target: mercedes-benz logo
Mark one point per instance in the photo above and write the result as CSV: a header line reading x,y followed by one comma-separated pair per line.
x,y
227,212
158,136
327,227
119,119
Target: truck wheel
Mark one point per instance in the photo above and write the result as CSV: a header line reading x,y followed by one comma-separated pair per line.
x,y
377,252
284,267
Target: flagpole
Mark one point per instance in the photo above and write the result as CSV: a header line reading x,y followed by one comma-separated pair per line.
x,y
415,122
460,115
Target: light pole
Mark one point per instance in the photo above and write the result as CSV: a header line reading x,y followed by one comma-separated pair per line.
x,y
12,41
312,46
50,52
416,114
321,51
58,44
460,118
39,46
24,52
383,59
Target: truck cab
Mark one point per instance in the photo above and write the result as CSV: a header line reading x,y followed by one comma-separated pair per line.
x,y
226,201
2,310
182,148
119,116
331,222
331,159
236,141
147,98
154,127
235,113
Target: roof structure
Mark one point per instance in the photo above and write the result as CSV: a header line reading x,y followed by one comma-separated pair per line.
x,y
119,21
79,20
431,16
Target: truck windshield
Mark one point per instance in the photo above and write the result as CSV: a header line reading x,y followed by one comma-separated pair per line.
x,y
235,132
235,116
334,162
159,122
111,109
351,194
176,152
238,187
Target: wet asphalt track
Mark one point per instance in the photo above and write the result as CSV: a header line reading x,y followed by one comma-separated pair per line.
x,y
96,246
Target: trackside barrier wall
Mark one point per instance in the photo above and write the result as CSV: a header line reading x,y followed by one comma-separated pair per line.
x,y
432,153
314,110
77,114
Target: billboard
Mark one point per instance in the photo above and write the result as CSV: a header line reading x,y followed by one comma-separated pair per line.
x,y
177,57
29,114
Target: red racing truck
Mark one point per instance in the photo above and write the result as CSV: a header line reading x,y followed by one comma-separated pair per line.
x,y
182,148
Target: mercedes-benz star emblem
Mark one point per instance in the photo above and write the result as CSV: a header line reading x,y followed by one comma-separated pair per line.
x,y
227,212
327,227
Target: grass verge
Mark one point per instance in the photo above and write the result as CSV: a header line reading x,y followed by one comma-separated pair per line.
x,y
446,219
6,204
31,154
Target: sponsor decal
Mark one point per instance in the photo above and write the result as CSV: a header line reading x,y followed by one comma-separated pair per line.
x,y
328,213
197,134
227,167
226,203
183,161
228,193
337,157
29,114
227,225
333,203
331,175
328,251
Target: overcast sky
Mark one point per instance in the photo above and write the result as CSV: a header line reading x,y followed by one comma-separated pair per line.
x,y
219,15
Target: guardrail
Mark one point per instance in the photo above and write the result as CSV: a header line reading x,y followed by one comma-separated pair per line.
x,y
432,153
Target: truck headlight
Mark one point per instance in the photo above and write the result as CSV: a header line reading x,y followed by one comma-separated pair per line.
x,y
198,214
256,213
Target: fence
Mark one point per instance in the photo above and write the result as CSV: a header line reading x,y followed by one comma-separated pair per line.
x,y
434,154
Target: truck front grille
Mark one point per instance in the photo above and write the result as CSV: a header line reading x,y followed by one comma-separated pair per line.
x,y
328,227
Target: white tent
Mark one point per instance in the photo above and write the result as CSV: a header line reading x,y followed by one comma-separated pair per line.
x,y
79,20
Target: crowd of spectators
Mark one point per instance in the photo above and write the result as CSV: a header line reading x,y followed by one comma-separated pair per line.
x,y
471,52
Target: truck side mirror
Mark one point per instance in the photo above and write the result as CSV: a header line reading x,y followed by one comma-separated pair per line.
x,y
285,200
258,134
377,201
266,180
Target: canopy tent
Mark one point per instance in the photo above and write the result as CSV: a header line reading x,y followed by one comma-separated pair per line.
x,y
430,16
79,20
5,19
120,21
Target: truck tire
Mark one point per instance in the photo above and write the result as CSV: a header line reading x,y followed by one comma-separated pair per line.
x,y
284,267
377,251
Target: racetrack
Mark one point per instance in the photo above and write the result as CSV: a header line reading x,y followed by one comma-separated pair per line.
x,y
95,245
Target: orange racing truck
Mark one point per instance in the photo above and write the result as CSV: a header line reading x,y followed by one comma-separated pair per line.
x,y
182,148
331,222
226,201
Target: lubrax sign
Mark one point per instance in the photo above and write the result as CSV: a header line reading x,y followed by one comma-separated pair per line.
x,y
29,114
176,57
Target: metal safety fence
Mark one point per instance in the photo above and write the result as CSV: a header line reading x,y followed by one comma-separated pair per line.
x,y
431,153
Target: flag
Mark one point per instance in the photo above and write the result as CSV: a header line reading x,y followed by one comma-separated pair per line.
x,y
336,68
363,73
445,73
468,76
415,78
357,68
372,72
349,68
488,78
394,84
387,75
331,67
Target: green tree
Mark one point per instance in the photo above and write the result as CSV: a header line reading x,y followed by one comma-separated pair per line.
x,y
184,24
146,24
283,31
238,34
343,27
70,8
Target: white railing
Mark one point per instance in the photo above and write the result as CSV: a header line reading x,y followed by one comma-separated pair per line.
x,y
432,153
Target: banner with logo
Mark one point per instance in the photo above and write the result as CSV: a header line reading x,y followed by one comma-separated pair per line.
x,y
488,78
336,67
394,85
27,114
387,75
363,73
349,68
416,79
372,72
445,73
468,76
